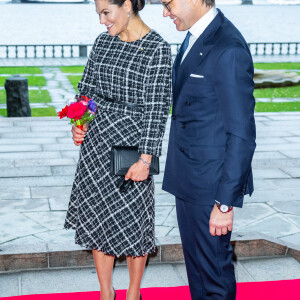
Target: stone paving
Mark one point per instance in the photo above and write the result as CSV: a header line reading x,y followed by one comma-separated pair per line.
x,y
162,275
38,161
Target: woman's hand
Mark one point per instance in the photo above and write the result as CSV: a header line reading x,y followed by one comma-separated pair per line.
x,y
139,171
78,134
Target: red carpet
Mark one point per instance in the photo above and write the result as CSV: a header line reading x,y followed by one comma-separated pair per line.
x,y
269,290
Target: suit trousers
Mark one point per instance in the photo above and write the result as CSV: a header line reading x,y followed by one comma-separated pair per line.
x,y
208,258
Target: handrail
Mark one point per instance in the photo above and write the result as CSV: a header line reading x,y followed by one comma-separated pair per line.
x,y
82,50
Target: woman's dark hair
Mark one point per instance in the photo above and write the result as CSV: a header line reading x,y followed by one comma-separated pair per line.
x,y
137,5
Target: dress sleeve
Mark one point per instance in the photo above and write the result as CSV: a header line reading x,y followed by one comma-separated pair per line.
x,y
158,101
87,84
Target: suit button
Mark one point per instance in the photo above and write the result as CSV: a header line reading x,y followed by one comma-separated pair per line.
x,y
173,117
187,102
183,125
181,149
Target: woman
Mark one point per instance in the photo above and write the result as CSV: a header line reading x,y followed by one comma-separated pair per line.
x,y
129,76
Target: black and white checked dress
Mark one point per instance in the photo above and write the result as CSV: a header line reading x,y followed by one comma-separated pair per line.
x,y
119,72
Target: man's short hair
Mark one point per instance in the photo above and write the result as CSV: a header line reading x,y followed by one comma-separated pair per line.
x,y
209,3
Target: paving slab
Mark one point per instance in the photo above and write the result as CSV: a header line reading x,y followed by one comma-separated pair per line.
x,y
44,162
23,205
24,172
271,140
27,240
63,170
25,226
268,155
59,203
293,238
269,173
161,230
9,286
282,195
38,181
55,147
275,225
19,148
295,219
293,139
251,213
53,220
287,183
48,192
291,153
161,214
7,163
273,269
278,147
293,172
171,219
18,134
57,236
289,207
174,232
278,163
28,141
242,274
15,193
30,155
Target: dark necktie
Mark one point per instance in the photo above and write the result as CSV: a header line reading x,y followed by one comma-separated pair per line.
x,y
183,48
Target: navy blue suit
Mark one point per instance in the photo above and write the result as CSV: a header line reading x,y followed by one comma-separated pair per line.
x,y
211,145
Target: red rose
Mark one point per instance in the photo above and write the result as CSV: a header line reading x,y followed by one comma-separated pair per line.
x,y
76,111
63,112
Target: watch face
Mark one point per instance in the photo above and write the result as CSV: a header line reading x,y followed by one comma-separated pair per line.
x,y
224,208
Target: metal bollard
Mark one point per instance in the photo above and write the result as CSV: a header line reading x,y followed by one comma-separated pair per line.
x,y
17,100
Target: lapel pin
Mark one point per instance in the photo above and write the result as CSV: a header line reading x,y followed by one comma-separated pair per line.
x,y
201,53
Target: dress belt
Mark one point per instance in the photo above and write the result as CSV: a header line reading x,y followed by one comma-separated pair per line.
x,y
128,104
119,106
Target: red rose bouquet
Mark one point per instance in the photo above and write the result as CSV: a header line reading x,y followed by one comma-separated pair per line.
x,y
80,111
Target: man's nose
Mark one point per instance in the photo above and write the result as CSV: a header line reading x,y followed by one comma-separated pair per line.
x,y
166,13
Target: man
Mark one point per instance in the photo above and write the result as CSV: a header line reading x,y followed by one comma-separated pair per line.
x,y
212,141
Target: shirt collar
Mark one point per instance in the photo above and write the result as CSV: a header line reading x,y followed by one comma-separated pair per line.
x,y
197,29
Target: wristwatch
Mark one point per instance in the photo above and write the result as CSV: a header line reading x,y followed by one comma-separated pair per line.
x,y
223,208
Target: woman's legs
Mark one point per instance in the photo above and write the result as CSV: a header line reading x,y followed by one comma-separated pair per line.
x,y
136,267
104,265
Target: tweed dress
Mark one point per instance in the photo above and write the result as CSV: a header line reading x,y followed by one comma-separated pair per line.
x,y
118,72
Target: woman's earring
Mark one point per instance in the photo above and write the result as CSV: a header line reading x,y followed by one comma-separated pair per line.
x,y
128,15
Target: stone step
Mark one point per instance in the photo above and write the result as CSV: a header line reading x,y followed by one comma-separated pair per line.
x,y
73,280
169,250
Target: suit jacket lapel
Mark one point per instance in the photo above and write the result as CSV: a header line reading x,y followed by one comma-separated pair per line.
x,y
196,55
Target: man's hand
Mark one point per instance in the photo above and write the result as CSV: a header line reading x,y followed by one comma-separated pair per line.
x,y
220,223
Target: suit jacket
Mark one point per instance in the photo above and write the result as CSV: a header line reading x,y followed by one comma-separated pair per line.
x,y
212,135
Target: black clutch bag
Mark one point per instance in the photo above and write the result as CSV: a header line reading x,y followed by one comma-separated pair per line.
x,y
123,157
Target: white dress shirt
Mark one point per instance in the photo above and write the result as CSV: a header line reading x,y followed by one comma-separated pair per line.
x,y
198,28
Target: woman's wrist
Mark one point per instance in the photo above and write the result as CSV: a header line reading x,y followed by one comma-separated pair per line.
x,y
145,159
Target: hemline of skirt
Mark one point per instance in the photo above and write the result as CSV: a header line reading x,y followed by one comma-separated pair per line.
x,y
153,249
